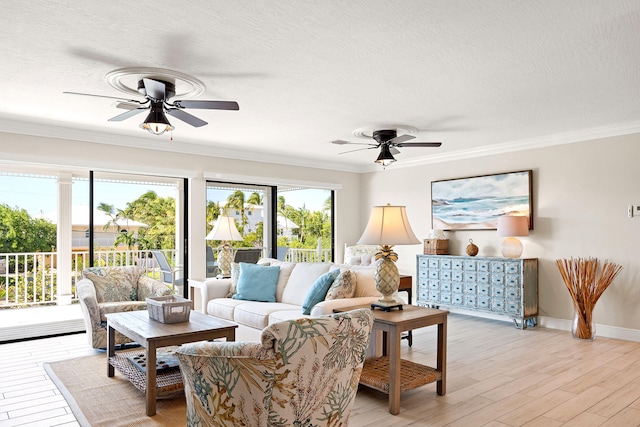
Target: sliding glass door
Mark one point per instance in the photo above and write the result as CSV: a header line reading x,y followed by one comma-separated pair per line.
x,y
285,222
132,215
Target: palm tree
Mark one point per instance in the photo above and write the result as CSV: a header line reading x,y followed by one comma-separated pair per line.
x,y
281,205
213,212
255,198
126,238
114,214
236,201
326,206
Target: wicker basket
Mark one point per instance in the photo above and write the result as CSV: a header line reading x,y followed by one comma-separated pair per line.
x,y
169,309
436,246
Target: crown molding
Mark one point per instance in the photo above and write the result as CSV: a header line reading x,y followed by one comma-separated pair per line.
x,y
583,135
48,130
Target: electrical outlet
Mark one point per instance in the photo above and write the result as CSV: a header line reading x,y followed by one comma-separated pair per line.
x,y
636,210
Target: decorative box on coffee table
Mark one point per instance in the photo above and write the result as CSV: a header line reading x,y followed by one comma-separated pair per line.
x,y
169,309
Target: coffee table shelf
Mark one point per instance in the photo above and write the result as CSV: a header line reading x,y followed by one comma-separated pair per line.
x,y
167,383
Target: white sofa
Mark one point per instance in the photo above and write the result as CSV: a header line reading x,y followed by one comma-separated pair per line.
x,y
294,282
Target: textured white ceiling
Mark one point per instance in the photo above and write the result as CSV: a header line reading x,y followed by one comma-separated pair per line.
x,y
480,76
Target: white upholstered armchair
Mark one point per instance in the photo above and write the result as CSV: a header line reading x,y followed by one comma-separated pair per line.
x,y
304,372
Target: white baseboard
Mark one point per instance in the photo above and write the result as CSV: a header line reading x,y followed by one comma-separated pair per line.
x,y
601,330
562,324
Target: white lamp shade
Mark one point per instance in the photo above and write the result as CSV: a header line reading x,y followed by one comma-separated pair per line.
x,y
388,225
509,226
224,230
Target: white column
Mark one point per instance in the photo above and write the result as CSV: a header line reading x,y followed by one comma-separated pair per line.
x,y
197,228
179,243
64,239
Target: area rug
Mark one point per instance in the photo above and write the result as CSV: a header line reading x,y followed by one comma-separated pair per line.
x,y
97,400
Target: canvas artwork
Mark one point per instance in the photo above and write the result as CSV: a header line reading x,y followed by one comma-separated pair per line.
x,y
476,203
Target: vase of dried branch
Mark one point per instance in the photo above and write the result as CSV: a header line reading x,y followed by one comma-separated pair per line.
x,y
586,282
583,326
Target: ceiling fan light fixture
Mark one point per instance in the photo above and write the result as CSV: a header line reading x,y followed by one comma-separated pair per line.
x,y
157,122
385,158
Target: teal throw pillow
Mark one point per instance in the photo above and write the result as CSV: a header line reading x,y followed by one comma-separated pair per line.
x,y
319,290
257,282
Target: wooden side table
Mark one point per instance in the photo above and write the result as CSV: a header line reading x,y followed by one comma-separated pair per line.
x,y
392,375
406,285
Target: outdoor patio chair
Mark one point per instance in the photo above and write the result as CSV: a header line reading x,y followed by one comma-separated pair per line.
x,y
212,265
168,274
303,372
281,252
250,256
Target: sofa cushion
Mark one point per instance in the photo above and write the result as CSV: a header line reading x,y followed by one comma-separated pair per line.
x,y
354,254
302,277
284,315
257,282
283,277
319,290
256,314
235,273
365,283
223,307
344,286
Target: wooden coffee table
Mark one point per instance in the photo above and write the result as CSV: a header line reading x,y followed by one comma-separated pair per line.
x,y
152,335
389,373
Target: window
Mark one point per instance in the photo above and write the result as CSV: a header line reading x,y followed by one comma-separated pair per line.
x,y
28,238
305,221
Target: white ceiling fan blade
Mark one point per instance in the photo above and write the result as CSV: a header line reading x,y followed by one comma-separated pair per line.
x,y
358,149
343,142
127,105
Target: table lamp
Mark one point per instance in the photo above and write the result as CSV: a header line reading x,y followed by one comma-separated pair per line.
x,y
388,226
224,230
510,227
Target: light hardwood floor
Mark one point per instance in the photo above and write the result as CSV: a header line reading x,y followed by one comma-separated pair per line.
x,y
497,376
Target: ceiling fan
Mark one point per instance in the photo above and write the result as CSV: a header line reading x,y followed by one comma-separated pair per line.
x,y
157,94
388,141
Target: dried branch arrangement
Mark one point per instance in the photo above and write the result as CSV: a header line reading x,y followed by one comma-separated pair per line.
x,y
586,282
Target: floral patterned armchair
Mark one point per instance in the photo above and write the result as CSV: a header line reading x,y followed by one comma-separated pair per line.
x,y
305,372
104,290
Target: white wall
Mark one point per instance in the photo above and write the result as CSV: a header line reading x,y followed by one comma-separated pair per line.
x,y
580,197
57,154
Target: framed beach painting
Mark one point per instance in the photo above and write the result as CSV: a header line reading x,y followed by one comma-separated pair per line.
x,y
476,203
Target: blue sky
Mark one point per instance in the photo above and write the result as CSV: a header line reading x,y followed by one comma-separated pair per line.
x,y
39,195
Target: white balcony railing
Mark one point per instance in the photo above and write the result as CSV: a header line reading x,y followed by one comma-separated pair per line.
x,y
29,279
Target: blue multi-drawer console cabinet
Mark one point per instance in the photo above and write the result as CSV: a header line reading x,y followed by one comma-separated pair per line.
x,y
504,286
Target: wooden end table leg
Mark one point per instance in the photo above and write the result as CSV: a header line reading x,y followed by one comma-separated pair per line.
x,y
151,389
394,371
441,385
111,349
